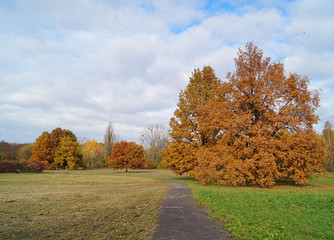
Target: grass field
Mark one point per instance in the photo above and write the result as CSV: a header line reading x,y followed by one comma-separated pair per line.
x,y
106,204
282,212
87,204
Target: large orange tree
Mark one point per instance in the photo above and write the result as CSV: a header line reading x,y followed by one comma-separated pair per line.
x,y
185,135
259,126
46,146
126,155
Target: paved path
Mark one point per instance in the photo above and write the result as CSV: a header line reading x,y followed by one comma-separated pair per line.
x,y
181,219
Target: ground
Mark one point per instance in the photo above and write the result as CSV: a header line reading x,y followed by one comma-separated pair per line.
x,y
107,204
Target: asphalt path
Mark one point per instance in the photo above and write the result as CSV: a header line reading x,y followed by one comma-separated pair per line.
x,y
180,218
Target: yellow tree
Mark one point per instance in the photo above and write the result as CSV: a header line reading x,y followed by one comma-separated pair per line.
x,y
25,152
259,126
90,152
186,138
67,154
328,134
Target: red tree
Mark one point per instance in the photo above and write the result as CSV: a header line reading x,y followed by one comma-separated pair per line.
x,y
127,155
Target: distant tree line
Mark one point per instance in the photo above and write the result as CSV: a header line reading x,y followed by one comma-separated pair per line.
x,y
60,149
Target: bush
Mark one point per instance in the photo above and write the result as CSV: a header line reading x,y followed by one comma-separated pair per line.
x,y
151,164
32,166
9,167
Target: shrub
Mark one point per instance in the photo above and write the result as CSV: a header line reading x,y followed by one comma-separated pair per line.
x,y
32,166
151,164
9,167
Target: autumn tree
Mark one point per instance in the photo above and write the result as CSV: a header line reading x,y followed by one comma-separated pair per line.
x,y
259,126
127,155
110,139
154,139
185,135
25,152
328,134
42,150
47,144
9,151
4,151
90,152
67,154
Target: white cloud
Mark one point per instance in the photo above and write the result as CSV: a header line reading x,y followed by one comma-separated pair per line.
x,y
80,64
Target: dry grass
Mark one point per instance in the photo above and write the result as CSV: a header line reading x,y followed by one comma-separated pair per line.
x,y
89,204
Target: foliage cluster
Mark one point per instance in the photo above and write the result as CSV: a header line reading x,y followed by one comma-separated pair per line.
x,y
9,167
9,151
28,166
126,155
186,137
31,166
151,163
253,128
25,152
94,154
58,149
328,135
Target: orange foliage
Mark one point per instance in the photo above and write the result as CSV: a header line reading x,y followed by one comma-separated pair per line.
x,y
259,126
46,145
127,155
179,154
42,150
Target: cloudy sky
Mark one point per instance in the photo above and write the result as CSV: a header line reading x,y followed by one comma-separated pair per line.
x,y
79,64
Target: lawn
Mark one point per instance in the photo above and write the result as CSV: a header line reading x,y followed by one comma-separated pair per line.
x,y
87,204
281,212
106,204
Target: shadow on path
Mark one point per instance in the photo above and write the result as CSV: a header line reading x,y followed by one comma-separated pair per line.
x,y
180,219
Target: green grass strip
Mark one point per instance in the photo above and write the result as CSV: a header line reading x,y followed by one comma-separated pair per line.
x,y
282,212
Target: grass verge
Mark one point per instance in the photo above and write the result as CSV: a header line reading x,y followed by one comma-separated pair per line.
x,y
281,212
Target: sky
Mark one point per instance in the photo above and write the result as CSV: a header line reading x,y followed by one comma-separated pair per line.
x,y
80,64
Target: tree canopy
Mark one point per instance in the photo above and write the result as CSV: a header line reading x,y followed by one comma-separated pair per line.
x,y
186,137
253,128
90,153
51,149
328,135
126,155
